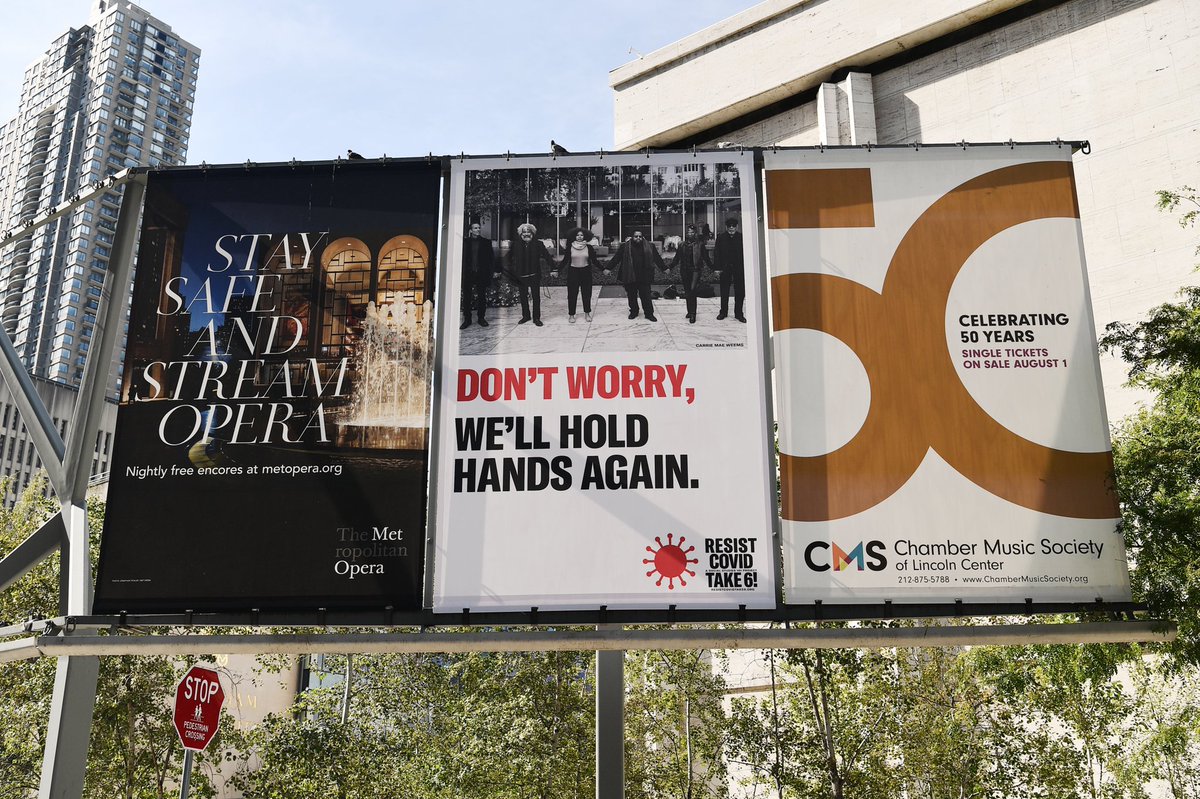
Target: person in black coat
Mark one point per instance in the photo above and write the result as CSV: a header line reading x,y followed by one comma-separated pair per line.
x,y
477,272
729,261
691,258
578,261
635,260
525,258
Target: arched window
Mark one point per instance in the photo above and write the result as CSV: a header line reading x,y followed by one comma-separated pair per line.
x,y
346,272
403,272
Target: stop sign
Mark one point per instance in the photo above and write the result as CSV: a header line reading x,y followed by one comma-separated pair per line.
x,y
198,701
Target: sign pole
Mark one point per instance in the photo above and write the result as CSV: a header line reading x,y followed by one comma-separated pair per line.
x,y
187,774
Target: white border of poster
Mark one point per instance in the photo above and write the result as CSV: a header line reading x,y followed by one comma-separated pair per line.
x,y
942,431
602,460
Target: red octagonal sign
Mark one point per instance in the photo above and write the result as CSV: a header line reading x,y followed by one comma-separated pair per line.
x,y
198,701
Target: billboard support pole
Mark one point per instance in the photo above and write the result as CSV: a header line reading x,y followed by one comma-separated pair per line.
x,y
610,721
65,758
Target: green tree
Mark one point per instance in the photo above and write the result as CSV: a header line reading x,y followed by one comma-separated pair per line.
x,y
959,738
25,686
433,726
675,725
134,750
1163,733
1074,693
834,716
1156,453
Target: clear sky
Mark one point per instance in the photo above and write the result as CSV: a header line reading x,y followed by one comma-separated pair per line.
x,y
308,79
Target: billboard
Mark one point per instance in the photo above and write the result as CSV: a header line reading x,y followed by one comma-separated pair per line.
x,y
942,433
272,435
602,424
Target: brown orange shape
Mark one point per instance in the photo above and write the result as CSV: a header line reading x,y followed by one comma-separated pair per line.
x,y
917,399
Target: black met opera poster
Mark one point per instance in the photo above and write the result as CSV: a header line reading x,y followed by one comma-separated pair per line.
x,y
272,435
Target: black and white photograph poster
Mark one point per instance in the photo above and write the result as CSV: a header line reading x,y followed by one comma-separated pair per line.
x,y
603,431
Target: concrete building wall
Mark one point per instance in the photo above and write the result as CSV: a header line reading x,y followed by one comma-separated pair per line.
x,y
18,460
767,53
1123,74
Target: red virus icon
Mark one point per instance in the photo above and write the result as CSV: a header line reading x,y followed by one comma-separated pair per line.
x,y
670,561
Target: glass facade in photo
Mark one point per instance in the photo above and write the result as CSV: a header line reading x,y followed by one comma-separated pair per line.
x,y
609,203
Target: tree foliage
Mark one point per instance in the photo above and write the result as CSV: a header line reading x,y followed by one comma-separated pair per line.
x,y
134,752
675,725
833,715
433,725
1157,453
26,685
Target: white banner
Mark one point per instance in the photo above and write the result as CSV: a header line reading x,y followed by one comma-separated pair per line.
x,y
942,432
602,432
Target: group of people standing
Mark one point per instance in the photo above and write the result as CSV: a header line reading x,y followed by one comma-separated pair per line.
x,y
634,261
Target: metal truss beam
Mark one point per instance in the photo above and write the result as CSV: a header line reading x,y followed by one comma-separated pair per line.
x,y
80,644
31,551
62,209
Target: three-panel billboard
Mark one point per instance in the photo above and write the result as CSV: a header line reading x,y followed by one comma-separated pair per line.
x,y
584,390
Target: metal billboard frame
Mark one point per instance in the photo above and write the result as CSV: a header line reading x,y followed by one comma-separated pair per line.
x,y
75,637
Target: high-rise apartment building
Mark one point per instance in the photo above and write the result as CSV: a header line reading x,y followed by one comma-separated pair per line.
x,y
114,93
117,92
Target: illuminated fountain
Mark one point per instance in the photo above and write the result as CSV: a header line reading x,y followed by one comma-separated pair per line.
x,y
392,363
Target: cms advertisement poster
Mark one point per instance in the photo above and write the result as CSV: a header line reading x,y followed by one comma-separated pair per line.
x,y
601,413
942,432
272,435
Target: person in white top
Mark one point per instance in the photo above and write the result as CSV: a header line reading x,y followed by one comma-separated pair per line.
x,y
579,261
